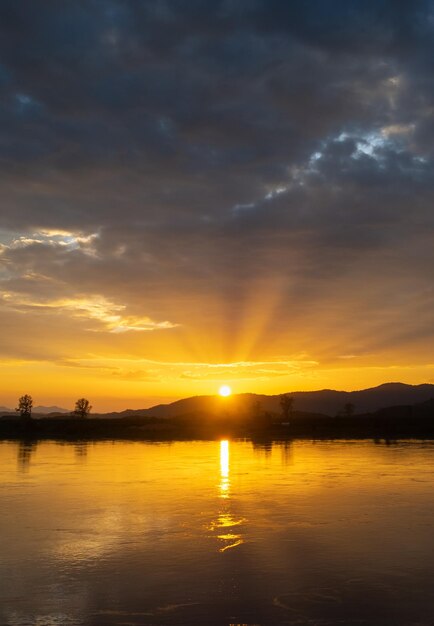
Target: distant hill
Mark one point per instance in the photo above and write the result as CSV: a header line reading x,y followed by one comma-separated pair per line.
x,y
326,401
389,423
50,409
40,410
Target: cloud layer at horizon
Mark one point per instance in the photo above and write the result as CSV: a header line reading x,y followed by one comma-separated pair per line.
x,y
241,181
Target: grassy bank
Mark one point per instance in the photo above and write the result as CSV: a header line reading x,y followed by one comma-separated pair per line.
x,y
377,425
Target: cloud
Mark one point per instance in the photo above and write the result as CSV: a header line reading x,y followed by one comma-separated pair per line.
x,y
110,316
245,370
151,371
256,178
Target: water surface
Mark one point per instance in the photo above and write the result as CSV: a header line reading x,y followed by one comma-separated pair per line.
x,y
216,533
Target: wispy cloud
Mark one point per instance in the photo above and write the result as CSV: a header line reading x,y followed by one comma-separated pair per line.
x,y
111,316
140,369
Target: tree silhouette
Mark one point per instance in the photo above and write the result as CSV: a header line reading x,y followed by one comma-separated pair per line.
x,y
349,409
25,406
82,408
287,406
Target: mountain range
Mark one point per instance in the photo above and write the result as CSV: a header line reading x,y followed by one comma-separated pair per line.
x,y
326,401
40,410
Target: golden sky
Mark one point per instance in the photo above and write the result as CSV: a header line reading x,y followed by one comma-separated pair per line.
x,y
197,197
60,348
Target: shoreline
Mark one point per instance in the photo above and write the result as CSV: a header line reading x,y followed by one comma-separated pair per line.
x,y
137,429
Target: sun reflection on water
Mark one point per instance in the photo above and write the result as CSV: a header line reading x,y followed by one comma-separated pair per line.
x,y
224,469
226,520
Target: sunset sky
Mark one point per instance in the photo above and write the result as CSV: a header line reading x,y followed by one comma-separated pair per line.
x,y
196,193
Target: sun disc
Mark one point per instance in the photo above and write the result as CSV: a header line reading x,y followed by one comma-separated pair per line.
x,y
225,391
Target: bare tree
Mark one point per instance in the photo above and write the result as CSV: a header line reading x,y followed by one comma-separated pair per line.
x,y
25,406
82,408
287,406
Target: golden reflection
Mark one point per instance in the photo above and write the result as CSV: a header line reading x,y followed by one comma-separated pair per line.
x,y
224,469
232,545
225,520
25,452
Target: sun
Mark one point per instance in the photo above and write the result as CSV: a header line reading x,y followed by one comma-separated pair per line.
x,y
225,391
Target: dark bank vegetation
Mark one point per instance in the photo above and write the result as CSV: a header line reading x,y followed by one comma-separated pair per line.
x,y
394,422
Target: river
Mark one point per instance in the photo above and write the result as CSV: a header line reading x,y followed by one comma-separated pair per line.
x,y
216,533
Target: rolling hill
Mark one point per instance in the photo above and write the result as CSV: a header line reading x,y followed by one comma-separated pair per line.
x,y
326,401
38,410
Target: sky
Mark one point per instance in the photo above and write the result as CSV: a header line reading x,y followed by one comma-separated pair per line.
x,y
195,193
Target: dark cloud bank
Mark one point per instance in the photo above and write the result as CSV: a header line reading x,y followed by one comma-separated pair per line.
x,y
173,156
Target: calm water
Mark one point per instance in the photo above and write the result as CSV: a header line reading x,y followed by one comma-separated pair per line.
x,y
216,533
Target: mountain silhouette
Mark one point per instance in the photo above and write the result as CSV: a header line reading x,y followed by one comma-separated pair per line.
x,y
325,401
39,410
